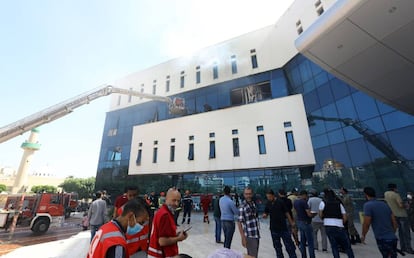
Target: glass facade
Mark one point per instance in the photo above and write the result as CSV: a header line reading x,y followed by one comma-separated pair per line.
x,y
358,141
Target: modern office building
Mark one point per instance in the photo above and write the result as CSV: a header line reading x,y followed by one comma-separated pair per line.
x,y
320,98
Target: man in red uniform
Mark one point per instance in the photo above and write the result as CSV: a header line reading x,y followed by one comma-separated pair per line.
x,y
138,242
119,202
164,238
205,204
110,239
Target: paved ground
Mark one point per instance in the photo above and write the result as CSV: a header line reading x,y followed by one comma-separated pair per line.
x,y
199,244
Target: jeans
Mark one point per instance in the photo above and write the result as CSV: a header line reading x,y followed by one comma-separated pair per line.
x,y
339,237
318,226
228,228
187,211
287,240
404,233
306,235
387,247
218,229
94,228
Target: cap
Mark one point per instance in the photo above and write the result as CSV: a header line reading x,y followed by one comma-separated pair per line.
x,y
294,190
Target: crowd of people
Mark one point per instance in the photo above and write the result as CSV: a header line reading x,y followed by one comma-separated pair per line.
x,y
147,227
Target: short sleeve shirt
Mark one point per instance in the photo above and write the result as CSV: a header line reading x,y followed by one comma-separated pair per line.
x,y
381,222
301,206
393,199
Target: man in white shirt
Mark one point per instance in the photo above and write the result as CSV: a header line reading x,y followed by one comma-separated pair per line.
x,y
333,214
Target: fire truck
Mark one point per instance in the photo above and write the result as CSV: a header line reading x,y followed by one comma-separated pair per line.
x,y
39,211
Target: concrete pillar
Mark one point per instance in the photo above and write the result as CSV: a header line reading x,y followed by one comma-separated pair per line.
x,y
29,147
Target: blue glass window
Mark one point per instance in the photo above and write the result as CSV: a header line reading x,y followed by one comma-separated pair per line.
x,y
198,75
262,144
236,149
339,88
212,135
325,94
397,119
365,106
254,61
139,156
340,154
321,79
167,86
154,89
402,141
234,131
331,113
233,65
290,141
311,101
320,141
305,70
358,152
215,71
172,153
346,108
155,155
287,124
384,108
191,151
182,80
308,86
259,128
336,136
191,137
212,154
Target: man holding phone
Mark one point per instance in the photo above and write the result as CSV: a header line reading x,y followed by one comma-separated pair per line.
x,y
164,237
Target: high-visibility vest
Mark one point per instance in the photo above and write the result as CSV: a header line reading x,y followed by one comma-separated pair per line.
x,y
107,236
139,241
154,249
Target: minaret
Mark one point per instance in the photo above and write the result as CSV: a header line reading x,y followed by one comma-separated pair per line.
x,y
29,147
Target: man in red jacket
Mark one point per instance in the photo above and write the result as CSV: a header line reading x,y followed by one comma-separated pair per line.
x,y
110,239
164,238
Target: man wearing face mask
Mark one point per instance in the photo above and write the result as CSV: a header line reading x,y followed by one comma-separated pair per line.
x,y
110,240
164,236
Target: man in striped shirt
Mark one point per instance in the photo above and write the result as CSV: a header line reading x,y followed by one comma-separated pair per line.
x,y
248,223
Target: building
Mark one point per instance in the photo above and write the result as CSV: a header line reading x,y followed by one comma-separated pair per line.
x,y
260,111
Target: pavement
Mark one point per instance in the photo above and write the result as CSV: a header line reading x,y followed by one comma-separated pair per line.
x,y
199,244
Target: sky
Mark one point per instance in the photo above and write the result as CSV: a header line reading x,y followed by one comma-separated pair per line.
x,y
51,51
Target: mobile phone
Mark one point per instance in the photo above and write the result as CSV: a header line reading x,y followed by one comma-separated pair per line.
x,y
185,230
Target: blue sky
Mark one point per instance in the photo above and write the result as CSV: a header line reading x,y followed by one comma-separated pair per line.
x,y
51,51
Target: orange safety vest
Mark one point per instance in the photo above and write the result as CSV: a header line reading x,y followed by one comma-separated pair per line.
x,y
107,236
154,249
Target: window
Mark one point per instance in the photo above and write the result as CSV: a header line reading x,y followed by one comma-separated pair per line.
x,y
198,74
119,100
290,141
139,156
212,135
212,154
234,132
236,150
154,155
154,89
140,144
191,137
172,139
215,70
253,58
142,90
182,79
172,153
191,151
233,64
320,11
259,128
250,94
287,124
155,142
262,144
130,96
167,84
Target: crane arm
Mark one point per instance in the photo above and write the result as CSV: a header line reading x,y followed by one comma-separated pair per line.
x,y
59,110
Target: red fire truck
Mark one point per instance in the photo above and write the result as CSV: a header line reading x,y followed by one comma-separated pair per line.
x,y
39,211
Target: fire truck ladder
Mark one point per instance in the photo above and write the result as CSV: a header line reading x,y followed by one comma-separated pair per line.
x,y
176,106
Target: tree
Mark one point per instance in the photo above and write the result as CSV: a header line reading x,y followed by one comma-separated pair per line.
x,y
85,187
44,188
3,188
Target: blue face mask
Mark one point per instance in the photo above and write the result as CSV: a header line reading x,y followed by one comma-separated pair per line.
x,y
135,229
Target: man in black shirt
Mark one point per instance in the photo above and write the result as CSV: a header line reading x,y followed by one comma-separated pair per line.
x,y
278,212
187,203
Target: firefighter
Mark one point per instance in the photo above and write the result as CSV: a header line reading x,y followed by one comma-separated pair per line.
x,y
110,238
